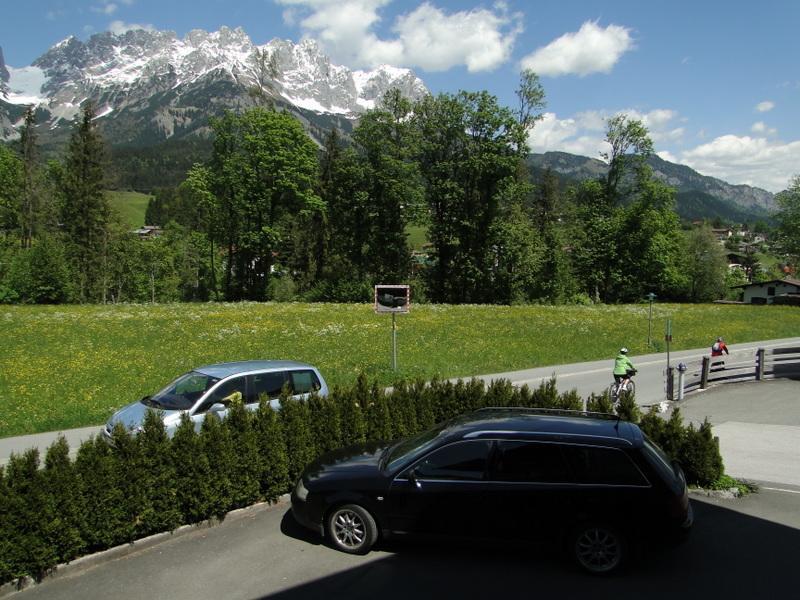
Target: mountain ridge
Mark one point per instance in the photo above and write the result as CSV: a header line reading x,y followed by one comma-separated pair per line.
x,y
688,183
153,87
123,74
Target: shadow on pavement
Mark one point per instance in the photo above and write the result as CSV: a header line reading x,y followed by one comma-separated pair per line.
x,y
729,555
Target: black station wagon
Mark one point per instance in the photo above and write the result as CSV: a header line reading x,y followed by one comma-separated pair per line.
x,y
591,483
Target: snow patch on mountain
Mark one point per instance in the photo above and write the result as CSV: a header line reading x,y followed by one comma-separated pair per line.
x,y
25,85
128,70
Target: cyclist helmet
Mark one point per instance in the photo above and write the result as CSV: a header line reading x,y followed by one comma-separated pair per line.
x,y
623,350
719,339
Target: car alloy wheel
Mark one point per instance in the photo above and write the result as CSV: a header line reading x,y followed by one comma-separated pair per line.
x,y
599,549
352,529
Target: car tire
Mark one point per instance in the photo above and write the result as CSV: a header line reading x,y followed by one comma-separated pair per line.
x,y
351,529
599,548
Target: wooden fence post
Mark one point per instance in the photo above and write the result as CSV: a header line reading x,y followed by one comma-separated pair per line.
x,y
760,364
704,373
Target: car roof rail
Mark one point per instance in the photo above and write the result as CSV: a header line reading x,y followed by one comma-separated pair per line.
x,y
553,411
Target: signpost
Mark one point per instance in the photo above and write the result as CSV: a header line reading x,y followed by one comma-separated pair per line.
x,y
393,299
668,337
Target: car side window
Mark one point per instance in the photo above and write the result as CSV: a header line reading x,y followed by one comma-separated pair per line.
x,y
304,382
226,392
462,461
532,462
266,384
604,466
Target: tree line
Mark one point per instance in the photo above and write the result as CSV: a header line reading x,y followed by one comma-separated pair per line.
x,y
271,216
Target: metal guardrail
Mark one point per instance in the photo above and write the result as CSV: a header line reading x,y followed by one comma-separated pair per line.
x,y
737,367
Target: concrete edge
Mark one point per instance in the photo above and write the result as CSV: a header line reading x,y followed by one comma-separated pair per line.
x,y
98,558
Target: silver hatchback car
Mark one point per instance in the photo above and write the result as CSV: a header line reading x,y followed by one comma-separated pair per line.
x,y
209,389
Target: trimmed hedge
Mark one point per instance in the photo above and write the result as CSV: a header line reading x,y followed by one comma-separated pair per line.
x,y
145,484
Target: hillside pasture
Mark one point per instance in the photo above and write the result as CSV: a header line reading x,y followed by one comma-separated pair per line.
x,y
72,366
130,206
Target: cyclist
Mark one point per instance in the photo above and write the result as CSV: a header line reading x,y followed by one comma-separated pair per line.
x,y
623,369
717,349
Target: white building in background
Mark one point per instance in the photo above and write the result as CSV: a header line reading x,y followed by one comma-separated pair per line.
x,y
767,291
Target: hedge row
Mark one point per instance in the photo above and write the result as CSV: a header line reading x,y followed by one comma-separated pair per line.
x,y
144,484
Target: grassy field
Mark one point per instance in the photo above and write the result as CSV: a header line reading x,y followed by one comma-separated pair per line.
x,y
131,206
71,366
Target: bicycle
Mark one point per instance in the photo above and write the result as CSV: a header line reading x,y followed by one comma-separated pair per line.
x,y
616,390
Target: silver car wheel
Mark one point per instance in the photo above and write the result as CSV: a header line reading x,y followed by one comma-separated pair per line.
x,y
598,549
352,529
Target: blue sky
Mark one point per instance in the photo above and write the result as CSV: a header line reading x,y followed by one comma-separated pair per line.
x,y
717,82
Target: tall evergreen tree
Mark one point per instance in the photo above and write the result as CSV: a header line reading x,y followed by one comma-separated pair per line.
x,y
85,211
11,188
30,197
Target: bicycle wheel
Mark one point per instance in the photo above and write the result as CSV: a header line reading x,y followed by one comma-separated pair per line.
x,y
613,392
629,391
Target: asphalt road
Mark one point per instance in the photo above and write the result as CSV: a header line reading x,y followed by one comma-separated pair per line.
x,y
743,548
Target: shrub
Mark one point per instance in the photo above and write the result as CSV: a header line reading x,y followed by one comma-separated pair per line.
x,y
271,439
246,469
701,459
66,507
193,489
300,447
160,511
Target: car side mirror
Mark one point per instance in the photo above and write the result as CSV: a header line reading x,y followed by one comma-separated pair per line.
x,y
217,408
412,477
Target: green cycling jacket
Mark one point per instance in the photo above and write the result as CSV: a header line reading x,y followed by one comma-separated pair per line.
x,y
622,364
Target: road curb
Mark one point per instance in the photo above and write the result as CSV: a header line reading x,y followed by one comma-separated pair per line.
x,y
89,561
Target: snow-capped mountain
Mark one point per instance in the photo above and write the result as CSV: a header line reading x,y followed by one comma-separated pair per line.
x,y
151,85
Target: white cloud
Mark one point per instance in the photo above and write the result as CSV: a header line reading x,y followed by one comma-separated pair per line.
x,y
592,49
107,7
668,156
761,127
427,37
753,161
757,160
436,41
120,27
567,135
765,106
585,132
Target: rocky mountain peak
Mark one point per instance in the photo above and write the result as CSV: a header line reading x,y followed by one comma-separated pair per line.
x,y
117,71
4,76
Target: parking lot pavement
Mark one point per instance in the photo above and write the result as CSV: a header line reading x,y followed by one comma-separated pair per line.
x,y
740,548
758,426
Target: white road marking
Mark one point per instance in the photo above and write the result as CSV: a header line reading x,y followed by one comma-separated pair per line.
x,y
780,490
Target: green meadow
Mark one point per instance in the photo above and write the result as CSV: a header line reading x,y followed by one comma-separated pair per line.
x,y
131,207
72,366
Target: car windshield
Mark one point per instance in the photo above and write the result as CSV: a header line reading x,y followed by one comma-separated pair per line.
x,y
406,449
182,393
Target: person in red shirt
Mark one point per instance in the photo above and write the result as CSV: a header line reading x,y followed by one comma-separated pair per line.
x,y
718,348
